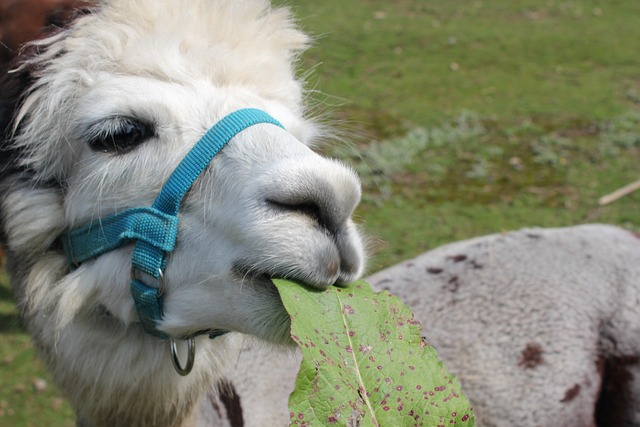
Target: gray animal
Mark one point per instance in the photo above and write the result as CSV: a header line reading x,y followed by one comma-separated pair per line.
x,y
541,326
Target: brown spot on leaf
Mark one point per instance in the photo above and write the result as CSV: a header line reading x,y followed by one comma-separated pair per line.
x,y
434,270
533,236
457,258
531,356
571,393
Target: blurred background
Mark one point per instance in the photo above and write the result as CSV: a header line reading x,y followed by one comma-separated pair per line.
x,y
462,118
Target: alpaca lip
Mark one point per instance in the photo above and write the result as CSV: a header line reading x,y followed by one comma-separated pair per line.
x,y
244,271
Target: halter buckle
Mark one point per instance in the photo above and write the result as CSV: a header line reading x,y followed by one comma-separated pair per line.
x,y
137,274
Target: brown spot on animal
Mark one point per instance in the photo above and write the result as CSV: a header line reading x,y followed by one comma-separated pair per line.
x,y
531,356
434,270
231,401
475,265
616,403
457,258
571,393
452,284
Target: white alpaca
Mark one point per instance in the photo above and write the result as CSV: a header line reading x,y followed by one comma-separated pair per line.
x,y
541,326
94,124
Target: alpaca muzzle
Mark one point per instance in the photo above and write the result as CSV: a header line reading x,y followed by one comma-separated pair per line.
x,y
154,229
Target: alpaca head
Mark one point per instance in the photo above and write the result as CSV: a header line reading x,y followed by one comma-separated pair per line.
x,y
106,111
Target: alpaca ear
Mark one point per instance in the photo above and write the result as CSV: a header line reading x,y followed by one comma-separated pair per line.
x,y
13,84
22,202
12,87
63,14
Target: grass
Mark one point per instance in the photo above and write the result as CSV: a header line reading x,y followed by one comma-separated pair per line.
x,y
464,118
531,111
27,397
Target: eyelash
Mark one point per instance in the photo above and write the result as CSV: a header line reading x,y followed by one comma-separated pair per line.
x,y
119,135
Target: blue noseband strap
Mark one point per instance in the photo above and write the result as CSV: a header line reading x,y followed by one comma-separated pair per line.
x,y
154,229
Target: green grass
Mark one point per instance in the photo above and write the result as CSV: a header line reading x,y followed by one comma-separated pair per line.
x,y
465,118
27,397
553,86
515,59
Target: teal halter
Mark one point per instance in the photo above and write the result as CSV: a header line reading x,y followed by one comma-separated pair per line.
x,y
154,229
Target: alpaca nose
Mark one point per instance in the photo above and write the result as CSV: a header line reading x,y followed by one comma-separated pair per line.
x,y
306,203
325,191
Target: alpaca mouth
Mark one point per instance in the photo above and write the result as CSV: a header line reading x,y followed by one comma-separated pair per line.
x,y
248,272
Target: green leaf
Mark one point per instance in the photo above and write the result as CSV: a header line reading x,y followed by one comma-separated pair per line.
x,y
365,363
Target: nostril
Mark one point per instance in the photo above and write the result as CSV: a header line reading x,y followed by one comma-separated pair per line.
x,y
321,191
308,209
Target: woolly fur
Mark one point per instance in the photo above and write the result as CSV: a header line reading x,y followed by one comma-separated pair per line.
x,y
541,327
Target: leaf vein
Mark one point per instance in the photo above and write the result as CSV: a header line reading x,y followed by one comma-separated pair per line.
x,y
364,395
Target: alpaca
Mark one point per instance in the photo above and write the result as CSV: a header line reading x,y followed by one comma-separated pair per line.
x,y
94,119
24,20
541,326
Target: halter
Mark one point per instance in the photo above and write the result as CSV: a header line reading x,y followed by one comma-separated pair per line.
x,y
154,229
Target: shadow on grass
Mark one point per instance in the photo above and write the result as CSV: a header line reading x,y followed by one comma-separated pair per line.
x,y
11,324
5,292
9,321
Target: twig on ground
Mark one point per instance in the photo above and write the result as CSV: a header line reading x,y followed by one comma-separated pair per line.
x,y
626,190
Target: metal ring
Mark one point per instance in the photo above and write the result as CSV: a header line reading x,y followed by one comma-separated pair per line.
x,y
160,279
191,349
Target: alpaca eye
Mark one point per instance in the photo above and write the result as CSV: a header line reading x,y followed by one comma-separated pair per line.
x,y
118,135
